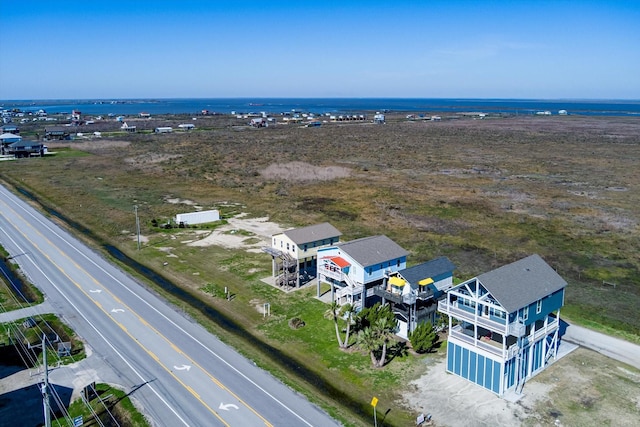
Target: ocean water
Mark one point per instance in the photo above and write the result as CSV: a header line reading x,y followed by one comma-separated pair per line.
x,y
328,105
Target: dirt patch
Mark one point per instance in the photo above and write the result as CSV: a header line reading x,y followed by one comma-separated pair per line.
x,y
251,234
301,171
576,390
91,146
151,158
455,402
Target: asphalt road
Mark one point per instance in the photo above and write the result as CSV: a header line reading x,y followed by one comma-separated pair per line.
x,y
178,372
612,347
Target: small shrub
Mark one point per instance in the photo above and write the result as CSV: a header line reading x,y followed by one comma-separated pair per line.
x,y
214,290
296,323
423,338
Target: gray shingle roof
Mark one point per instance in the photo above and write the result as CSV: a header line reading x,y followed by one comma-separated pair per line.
x,y
429,269
521,283
25,143
373,250
312,233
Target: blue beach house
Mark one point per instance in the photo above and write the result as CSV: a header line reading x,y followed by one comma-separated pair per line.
x,y
354,268
504,324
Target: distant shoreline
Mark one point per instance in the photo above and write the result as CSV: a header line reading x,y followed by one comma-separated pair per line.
x,y
275,106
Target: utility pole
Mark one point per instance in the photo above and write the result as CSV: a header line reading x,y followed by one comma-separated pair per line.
x,y
45,387
135,209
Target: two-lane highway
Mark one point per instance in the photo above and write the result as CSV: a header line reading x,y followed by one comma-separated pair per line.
x,y
188,376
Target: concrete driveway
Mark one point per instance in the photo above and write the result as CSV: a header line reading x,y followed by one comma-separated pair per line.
x,y
606,345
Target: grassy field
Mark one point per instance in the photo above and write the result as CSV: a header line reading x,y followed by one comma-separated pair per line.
x,y
482,192
112,406
10,298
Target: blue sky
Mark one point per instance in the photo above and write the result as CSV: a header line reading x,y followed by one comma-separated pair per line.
x,y
418,49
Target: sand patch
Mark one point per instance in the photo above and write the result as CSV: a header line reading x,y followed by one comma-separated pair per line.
x,y
151,158
455,402
301,171
251,234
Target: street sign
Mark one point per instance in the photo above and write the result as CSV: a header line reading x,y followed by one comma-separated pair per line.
x,y
374,401
78,421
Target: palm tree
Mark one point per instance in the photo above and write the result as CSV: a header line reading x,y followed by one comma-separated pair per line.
x,y
332,314
384,329
378,335
369,340
347,311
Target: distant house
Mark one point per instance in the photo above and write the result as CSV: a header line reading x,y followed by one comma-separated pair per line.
x,y
164,129
10,128
6,139
127,128
187,126
354,268
144,115
504,324
379,118
413,293
294,252
56,133
26,149
259,122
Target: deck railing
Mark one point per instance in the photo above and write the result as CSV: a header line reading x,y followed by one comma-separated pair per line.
x,y
495,348
451,309
335,275
457,333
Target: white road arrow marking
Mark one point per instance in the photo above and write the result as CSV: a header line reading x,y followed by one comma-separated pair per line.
x,y
182,368
226,406
95,291
117,310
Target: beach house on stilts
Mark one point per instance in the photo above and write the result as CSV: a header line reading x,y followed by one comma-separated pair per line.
x,y
504,324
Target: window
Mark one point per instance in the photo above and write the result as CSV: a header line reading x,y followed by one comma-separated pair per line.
x,y
305,248
525,313
539,306
497,313
369,271
398,264
287,246
468,303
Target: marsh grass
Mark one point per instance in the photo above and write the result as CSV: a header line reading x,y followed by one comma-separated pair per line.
x,y
483,193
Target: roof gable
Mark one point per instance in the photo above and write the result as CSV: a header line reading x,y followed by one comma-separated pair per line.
x,y
430,269
522,283
373,250
312,233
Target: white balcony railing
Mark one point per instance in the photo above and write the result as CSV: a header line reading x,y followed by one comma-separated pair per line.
x,y
332,274
452,309
348,291
493,348
457,333
550,328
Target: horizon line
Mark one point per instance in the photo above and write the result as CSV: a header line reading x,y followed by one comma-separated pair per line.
x,y
324,98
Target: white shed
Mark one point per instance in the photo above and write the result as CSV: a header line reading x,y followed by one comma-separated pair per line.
x,y
201,217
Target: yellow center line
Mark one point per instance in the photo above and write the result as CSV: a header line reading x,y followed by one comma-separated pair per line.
x,y
187,387
142,320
